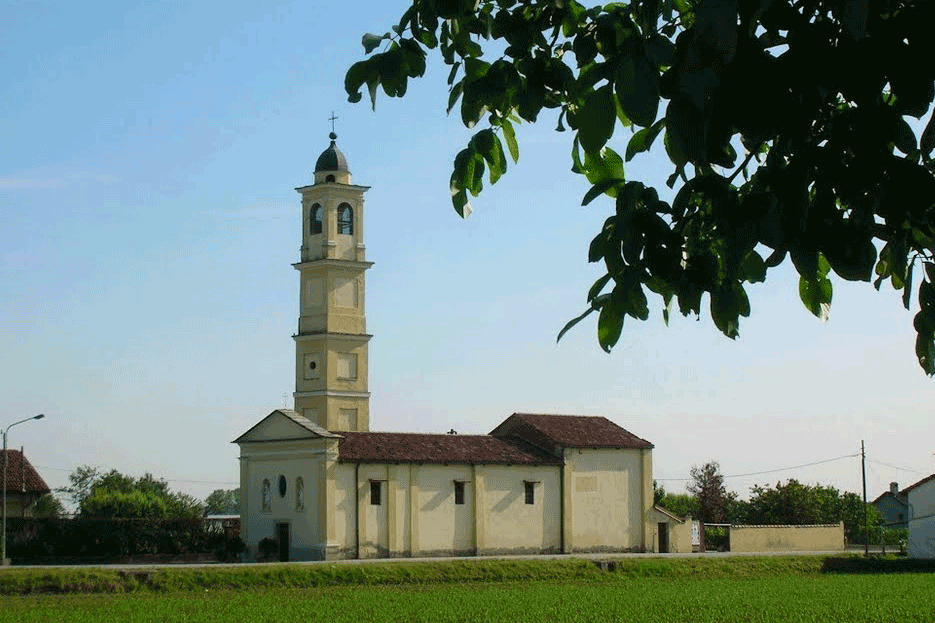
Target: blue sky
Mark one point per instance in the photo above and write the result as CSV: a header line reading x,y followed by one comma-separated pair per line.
x,y
148,221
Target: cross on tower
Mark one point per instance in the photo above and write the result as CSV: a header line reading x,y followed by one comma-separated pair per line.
x,y
331,119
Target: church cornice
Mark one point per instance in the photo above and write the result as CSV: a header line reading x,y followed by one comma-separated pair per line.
x,y
350,188
350,337
332,393
332,263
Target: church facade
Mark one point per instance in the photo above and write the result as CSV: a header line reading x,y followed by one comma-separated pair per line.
x,y
317,483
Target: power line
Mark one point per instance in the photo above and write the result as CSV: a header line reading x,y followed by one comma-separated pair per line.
x,y
771,471
902,469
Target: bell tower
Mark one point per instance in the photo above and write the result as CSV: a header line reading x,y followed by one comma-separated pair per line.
x,y
331,345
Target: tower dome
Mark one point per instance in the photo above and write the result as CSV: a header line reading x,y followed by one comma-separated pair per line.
x,y
331,161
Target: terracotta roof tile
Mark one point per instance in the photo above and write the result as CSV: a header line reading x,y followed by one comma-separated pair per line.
x,y
371,447
570,431
19,473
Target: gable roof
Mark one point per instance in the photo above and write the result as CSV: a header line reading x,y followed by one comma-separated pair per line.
x,y
21,476
569,431
899,498
293,416
370,447
921,482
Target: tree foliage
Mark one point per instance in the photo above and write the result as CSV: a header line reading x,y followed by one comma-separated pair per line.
x,y
707,485
113,494
795,503
785,122
680,504
223,502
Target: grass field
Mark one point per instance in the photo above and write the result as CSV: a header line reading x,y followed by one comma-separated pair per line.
x,y
789,589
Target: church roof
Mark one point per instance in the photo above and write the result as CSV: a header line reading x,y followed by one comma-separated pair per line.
x,y
21,476
331,159
370,447
568,431
289,414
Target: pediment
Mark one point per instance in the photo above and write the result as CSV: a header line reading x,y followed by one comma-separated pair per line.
x,y
284,425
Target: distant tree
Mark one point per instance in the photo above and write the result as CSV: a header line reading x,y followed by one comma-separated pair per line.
x,y
114,494
82,482
795,503
785,122
110,503
680,504
223,502
707,485
49,506
659,492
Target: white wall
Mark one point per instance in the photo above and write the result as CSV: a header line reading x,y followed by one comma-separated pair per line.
x,y
922,521
291,460
606,499
509,524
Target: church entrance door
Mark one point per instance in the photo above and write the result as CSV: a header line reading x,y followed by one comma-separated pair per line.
x,y
282,536
663,538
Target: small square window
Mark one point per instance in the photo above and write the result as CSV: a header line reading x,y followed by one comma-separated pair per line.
x,y
459,492
530,492
375,492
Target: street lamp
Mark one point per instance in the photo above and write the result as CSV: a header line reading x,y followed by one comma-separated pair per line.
x,y
3,558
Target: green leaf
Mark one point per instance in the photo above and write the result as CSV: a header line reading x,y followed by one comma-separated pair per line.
x,y
610,322
510,137
904,139
454,95
927,143
596,119
637,85
727,305
816,296
925,351
574,321
643,139
605,164
754,268
452,74
371,41
599,285
599,189
907,286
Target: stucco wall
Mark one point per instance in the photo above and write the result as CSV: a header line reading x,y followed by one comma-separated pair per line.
x,y
293,460
508,524
922,521
680,533
812,538
606,499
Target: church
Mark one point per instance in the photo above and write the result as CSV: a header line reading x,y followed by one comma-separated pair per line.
x,y
319,484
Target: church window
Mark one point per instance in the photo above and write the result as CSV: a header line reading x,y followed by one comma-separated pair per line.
x,y
345,220
375,492
315,227
267,497
282,486
329,178
530,491
459,492
299,494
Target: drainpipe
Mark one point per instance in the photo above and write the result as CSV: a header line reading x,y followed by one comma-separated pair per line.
x,y
561,506
357,509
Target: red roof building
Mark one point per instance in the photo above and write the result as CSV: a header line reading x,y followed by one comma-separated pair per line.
x,y
24,485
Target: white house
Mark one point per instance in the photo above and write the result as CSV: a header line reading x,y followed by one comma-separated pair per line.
x,y
921,500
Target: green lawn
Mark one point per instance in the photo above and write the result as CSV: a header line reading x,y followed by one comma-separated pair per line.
x,y
797,597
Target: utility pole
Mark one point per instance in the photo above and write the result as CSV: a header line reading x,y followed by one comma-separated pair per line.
x,y
863,475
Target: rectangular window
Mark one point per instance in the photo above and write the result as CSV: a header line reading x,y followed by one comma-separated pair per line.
x,y
375,492
530,491
459,492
